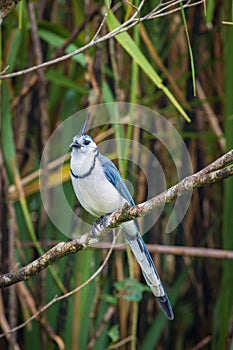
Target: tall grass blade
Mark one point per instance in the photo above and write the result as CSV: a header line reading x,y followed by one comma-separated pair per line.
x,y
190,51
129,45
224,304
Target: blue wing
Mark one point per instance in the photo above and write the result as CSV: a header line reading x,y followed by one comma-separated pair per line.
x,y
114,177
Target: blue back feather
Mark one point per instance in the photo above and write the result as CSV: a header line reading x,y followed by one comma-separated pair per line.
x,y
114,177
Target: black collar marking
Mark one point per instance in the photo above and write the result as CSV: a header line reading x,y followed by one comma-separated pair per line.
x,y
88,172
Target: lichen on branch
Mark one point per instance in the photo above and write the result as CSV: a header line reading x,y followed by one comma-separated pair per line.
x,y
215,172
6,6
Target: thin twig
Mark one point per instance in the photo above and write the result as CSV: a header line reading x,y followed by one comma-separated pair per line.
x,y
63,296
160,249
202,343
77,30
178,250
107,316
122,28
6,327
121,343
34,78
168,5
211,117
100,27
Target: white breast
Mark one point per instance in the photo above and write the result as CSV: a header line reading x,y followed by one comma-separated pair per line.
x,y
96,194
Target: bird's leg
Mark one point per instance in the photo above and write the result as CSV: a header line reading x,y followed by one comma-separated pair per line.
x,y
98,225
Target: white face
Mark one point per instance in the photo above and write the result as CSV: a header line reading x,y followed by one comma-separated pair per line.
x,y
83,144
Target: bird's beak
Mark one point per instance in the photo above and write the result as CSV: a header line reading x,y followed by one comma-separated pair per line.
x,y
75,144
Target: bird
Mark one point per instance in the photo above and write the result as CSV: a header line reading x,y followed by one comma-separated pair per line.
x,y
100,190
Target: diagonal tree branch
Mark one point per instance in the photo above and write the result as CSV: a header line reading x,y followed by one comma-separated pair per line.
x,y
215,172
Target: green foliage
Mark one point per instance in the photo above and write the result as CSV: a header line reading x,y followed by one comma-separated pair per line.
x,y
156,64
129,45
114,333
109,298
132,289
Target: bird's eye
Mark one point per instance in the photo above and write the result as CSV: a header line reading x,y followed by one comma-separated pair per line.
x,y
86,142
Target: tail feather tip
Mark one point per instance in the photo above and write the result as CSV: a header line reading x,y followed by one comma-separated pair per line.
x,y
166,307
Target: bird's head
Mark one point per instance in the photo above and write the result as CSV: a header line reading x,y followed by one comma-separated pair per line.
x,y
83,144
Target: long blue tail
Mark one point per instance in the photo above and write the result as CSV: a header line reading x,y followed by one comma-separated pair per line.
x,y
148,268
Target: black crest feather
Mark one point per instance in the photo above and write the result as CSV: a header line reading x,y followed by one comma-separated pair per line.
x,y
84,127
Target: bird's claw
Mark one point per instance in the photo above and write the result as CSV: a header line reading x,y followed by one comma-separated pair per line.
x,y
95,228
98,225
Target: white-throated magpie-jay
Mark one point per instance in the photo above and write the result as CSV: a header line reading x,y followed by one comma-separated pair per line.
x,y
99,188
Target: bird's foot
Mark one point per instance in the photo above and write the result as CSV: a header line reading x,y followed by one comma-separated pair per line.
x,y
95,229
98,225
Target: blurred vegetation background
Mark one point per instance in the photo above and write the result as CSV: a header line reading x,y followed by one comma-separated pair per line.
x,y
114,312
